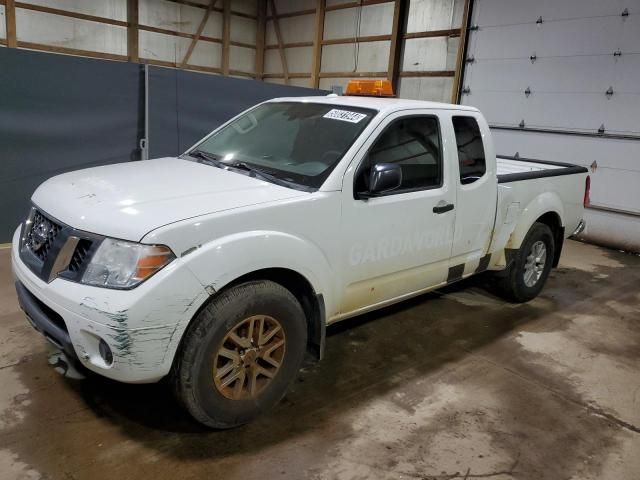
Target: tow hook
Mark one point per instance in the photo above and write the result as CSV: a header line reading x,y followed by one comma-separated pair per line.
x,y
61,364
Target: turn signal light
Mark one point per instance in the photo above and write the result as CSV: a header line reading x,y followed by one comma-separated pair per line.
x,y
370,88
155,257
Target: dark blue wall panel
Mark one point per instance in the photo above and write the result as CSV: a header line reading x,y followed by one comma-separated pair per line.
x,y
60,113
185,106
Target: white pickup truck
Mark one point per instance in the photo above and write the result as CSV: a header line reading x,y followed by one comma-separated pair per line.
x,y
222,267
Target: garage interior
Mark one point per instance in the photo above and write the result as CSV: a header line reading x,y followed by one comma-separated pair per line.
x,y
454,384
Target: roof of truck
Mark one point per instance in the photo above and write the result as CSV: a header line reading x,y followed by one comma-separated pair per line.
x,y
378,103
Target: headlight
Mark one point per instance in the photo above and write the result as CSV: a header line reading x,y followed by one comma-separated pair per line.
x,y
120,264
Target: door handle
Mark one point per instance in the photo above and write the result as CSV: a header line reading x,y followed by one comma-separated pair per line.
x,y
443,207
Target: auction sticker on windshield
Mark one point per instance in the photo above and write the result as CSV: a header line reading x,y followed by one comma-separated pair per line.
x,y
344,115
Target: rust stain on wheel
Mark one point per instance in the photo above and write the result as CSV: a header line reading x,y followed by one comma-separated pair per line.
x,y
249,357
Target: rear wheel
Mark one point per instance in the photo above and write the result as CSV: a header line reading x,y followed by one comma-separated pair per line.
x,y
241,353
531,266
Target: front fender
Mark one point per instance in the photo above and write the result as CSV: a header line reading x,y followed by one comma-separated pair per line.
x,y
218,263
543,203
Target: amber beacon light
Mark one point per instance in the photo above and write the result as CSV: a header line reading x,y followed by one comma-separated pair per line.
x,y
370,88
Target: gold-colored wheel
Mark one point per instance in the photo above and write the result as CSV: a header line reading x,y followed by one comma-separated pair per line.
x,y
249,357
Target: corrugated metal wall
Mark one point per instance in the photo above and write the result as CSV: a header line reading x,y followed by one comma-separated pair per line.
x,y
166,30
356,42
358,38
438,53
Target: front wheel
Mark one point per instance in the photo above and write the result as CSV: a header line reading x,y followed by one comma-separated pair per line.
x,y
240,355
531,266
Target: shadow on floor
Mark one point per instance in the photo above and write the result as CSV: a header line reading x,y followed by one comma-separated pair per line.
x,y
364,357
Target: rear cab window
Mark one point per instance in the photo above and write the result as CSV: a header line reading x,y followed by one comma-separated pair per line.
x,y
471,156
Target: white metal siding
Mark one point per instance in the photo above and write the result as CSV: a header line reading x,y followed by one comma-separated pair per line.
x,y
573,67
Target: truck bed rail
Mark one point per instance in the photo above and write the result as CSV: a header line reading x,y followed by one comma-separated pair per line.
x,y
532,168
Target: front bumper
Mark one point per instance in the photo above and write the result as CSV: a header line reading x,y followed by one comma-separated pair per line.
x,y
142,326
46,321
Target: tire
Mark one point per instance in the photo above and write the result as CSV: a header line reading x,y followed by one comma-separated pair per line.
x,y
517,284
210,356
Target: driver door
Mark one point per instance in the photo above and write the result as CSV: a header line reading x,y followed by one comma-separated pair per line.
x,y
398,242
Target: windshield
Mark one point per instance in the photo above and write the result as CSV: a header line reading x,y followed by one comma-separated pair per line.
x,y
297,142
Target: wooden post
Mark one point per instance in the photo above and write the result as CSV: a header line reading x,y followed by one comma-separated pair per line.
x,y
226,35
132,31
455,93
400,11
261,39
10,17
317,44
195,39
276,27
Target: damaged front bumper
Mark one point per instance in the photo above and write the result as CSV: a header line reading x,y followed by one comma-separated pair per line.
x,y
142,327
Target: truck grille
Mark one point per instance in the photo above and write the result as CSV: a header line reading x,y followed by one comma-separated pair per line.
x,y
80,255
52,249
41,235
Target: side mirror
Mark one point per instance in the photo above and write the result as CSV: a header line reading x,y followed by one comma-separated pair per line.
x,y
384,177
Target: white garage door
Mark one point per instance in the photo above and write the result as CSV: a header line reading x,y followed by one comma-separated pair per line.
x,y
560,80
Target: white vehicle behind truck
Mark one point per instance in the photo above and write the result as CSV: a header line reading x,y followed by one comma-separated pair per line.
x,y
221,268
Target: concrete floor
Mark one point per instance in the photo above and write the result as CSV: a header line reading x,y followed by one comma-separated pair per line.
x,y
455,384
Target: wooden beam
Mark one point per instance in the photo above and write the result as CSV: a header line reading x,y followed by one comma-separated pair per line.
x,y
132,31
243,15
427,73
149,28
352,74
400,12
276,27
368,38
241,73
197,68
10,17
261,38
194,40
298,13
233,43
71,51
66,13
291,75
455,94
317,44
341,6
290,45
452,32
226,35
216,9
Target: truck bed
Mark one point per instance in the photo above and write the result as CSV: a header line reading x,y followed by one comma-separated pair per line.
x,y
514,169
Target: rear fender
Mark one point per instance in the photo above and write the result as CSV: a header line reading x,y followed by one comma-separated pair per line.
x,y
544,203
547,202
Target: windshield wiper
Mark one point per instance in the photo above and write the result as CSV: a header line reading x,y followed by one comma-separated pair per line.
x,y
209,158
213,159
261,173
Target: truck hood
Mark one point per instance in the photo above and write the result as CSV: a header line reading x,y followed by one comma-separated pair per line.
x,y
128,200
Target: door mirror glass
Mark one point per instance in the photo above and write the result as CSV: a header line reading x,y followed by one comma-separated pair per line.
x,y
384,177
